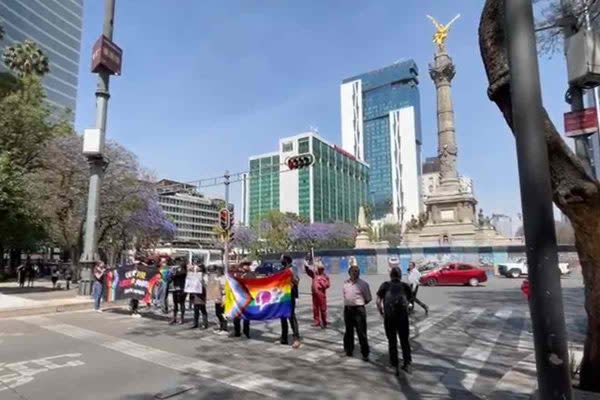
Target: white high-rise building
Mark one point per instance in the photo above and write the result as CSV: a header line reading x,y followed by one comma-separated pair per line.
x,y
381,125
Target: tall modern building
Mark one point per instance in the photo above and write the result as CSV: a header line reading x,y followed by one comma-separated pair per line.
x,y
55,25
381,125
194,215
430,179
330,190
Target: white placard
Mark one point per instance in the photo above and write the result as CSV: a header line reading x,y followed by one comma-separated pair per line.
x,y
193,282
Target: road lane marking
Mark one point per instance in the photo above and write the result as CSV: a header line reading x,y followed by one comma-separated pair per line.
x,y
425,324
24,371
473,359
244,380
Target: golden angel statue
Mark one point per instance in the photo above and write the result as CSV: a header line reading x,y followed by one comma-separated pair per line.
x,y
441,32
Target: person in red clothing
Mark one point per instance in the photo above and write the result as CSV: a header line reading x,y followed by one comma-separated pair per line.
x,y
525,289
320,284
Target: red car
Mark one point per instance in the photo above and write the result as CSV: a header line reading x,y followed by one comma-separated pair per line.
x,y
454,274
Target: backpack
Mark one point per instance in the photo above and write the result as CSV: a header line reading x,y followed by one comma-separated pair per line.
x,y
396,297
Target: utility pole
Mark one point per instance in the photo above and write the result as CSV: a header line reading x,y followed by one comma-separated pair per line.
x,y
97,164
545,306
226,244
574,95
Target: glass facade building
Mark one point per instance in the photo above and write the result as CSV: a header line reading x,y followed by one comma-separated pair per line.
x,y
55,25
330,190
263,190
381,124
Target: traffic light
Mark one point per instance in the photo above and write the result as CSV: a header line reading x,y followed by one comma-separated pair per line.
x,y
231,225
300,161
224,220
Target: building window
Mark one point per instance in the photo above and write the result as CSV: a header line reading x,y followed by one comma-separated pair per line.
x,y
287,146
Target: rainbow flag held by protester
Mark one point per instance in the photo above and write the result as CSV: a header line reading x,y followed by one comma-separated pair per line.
x,y
259,299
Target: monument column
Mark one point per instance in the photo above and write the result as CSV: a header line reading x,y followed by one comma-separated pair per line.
x,y
442,72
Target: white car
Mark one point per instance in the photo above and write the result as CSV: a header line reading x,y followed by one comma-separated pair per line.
x,y
515,270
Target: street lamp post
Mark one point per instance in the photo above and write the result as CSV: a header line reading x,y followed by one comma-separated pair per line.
x,y
546,307
97,164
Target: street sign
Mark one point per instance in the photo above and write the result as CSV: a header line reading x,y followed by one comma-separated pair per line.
x,y
106,56
581,123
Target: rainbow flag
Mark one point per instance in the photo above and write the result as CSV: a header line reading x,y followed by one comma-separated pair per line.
x,y
259,299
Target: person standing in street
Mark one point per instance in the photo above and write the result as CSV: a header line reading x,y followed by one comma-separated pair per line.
x,y
98,284
220,302
177,284
68,277
29,273
357,294
286,262
134,303
242,271
54,276
320,284
393,299
414,277
198,295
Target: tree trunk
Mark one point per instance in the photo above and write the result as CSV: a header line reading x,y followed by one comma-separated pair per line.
x,y
575,192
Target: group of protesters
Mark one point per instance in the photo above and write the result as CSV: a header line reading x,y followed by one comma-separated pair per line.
x,y
395,300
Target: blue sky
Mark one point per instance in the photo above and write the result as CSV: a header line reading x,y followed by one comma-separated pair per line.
x,y
208,83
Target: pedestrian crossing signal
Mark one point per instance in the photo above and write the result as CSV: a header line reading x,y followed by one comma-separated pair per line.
x,y
301,161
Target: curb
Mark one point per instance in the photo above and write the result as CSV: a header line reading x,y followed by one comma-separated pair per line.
x,y
56,308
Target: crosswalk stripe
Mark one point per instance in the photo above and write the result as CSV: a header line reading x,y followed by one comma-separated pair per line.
x,y
518,381
244,380
525,342
316,355
426,324
475,356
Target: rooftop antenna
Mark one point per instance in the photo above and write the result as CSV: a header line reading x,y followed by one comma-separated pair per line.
x,y
314,129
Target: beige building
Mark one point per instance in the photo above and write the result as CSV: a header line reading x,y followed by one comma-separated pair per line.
x,y
194,215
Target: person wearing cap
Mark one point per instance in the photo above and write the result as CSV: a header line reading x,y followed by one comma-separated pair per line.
x,y
286,262
357,294
320,284
414,277
393,299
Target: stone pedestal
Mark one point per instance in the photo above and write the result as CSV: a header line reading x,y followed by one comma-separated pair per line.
x,y
362,240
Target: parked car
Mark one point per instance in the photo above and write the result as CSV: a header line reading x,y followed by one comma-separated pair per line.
x,y
454,274
516,269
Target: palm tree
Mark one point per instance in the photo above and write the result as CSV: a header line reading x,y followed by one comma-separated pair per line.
x,y
26,59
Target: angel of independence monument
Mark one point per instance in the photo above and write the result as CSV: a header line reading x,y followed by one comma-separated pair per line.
x,y
451,217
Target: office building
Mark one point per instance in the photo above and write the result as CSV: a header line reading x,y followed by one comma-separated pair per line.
x,y
330,190
194,215
381,125
55,25
430,179
503,224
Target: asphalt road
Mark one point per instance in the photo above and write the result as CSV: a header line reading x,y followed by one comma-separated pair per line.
x,y
469,347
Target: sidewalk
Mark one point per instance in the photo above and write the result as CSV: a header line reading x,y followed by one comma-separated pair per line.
x,y
40,299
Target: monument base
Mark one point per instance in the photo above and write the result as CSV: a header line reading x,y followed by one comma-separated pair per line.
x,y
455,234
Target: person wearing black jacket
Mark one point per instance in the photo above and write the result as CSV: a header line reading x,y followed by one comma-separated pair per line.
x,y
286,262
393,298
177,285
